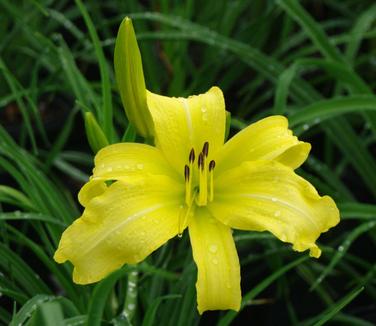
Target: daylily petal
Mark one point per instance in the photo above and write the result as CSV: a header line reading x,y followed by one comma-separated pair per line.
x,y
185,123
267,139
214,251
268,196
123,160
124,224
90,190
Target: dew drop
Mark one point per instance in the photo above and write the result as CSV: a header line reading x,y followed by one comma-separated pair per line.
x,y
140,166
228,285
123,315
213,248
274,199
277,213
203,109
215,261
341,248
305,127
131,306
180,235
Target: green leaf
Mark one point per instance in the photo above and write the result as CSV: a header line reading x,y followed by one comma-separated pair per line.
x,y
48,314
327,109
229,316
332,311
100,295
150,316
29,308
105,114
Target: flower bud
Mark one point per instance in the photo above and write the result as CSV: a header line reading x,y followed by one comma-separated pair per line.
x,y
94,133
130,79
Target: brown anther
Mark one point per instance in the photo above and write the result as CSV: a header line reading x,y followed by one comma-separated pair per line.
x,y
211,165
205,149
186,172
201,161
192,156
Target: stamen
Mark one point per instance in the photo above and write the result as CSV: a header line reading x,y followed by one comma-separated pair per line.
x,y
200,162
205,149
186,173
203,180
188,184
211,177
187,214
180,227
192,156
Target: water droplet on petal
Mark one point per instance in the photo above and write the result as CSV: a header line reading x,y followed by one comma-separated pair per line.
x,y
277,213
180,235
215,261
213,248
140,166
274,199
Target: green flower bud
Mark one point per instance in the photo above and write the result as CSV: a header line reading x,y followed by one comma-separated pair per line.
x,y
94,133
130,79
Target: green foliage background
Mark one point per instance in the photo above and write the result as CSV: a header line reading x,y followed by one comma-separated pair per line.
x,y
314,61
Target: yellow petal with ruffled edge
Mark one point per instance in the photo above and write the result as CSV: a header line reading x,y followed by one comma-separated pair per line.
x,y
124,224
214,252
185,123
124,160
268,196
267,139
90,190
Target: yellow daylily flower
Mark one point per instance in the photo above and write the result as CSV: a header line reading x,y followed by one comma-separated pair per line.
x,y
191,179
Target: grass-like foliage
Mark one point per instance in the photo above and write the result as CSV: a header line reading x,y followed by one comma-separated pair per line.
x,y
313,61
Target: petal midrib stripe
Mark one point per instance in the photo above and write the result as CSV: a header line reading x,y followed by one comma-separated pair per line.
x,y
126,221
282,202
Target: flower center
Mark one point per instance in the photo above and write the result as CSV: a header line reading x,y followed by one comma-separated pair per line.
x,y
199,188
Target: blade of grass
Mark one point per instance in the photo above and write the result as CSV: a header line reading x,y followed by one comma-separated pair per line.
x,y
100,295
332,311
229,316
342,249
105,114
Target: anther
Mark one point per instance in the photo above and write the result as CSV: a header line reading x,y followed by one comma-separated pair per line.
x,y
186,173
201,161
192,156
205,149
211,180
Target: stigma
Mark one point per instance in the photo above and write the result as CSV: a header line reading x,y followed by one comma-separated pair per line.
x,y
199,185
